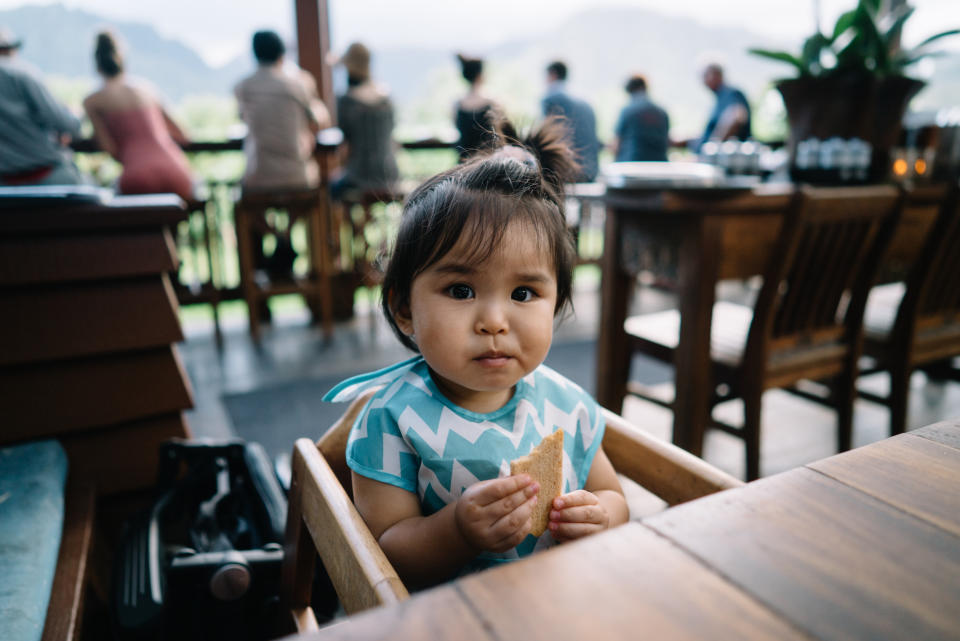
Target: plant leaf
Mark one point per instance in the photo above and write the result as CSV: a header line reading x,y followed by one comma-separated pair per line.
x,y
844,22
812,48
942,34
780,56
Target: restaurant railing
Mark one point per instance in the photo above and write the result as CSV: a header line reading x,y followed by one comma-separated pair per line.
x,y
206,241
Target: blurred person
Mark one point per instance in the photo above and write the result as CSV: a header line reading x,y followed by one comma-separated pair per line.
x,y
283,113
365,115
730,118
35,128
474,113
132,125
642,130
579,117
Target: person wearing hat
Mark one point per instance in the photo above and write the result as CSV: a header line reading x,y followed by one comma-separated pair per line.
x,y
36,127
283,114
365,115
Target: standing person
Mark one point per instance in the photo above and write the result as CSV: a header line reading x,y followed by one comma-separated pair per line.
x,y
283,114
131,125
580,119
365,115
481,267
35,127
642,131
730,118
475,113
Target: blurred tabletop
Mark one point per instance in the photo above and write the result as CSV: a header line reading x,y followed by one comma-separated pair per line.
x,y
861,545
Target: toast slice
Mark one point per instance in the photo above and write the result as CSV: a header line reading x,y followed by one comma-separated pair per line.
x,y
545,465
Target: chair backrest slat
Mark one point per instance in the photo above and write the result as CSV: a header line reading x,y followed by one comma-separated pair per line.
x,y
940,293
828,250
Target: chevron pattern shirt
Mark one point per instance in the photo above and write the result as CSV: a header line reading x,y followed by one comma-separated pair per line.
x,y
411,436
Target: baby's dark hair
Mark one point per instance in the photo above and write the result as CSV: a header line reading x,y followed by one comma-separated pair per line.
x,y
516,180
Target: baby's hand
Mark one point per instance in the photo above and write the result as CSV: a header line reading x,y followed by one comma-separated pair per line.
x,y
576,515
495,515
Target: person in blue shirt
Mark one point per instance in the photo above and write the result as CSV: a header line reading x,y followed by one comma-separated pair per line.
x,y
730,118
481,267
580,120
642,131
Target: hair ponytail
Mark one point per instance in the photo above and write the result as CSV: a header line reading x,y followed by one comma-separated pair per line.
x,y
107,55
549,144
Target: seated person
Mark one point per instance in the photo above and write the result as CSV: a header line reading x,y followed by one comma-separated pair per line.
x,y
481,267
365,115
475,113
283,114
35,128
642,130
133,127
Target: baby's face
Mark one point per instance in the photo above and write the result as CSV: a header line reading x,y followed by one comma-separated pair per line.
x,y
482,327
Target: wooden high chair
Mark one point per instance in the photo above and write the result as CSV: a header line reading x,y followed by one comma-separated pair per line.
x,y
323,522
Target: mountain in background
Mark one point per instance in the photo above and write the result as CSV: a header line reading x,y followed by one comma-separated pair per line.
x,y
602,48
59,41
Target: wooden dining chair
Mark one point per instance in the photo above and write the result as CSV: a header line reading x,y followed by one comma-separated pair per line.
x,y
323,523
805,323
916,323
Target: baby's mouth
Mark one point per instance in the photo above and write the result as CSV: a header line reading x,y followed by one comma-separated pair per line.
x,y
492,359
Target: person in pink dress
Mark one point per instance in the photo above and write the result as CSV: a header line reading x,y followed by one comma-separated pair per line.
x,y
131,125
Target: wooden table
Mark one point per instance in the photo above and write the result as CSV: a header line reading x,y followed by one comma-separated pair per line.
x,y
862,545
718,234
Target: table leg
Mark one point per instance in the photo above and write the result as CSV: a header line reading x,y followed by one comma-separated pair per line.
x,y
613,354
693,383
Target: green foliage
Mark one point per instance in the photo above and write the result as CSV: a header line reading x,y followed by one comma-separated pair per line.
x,y
863,40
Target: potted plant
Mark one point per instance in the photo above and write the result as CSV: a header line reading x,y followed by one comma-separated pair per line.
x,y
851,83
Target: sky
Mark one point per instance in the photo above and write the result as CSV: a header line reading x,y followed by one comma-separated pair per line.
x,y
220,29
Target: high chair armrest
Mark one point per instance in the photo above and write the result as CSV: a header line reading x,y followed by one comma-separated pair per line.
x,y
673,474
322,518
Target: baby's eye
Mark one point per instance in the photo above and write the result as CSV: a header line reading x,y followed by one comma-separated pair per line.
x,y
522,294
460,291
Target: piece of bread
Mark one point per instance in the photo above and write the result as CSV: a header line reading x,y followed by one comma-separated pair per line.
x,y
545,465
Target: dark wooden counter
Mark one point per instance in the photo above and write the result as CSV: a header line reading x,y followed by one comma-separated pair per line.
x,y
88,323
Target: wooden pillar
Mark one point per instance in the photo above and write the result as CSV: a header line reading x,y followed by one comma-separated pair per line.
x,y
313,43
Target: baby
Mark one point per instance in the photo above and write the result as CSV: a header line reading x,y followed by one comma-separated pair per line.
x,y
481,267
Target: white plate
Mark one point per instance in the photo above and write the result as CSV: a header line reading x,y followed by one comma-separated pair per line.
x,y
671,175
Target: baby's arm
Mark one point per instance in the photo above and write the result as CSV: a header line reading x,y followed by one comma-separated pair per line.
x,y
600,505
491,515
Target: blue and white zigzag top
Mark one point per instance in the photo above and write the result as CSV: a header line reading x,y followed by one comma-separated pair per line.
x,y
411,436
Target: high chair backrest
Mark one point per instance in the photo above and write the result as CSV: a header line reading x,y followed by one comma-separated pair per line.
x,y
323,522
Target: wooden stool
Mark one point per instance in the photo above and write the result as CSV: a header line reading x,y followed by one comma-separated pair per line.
x,y
359,250
198,290
250,214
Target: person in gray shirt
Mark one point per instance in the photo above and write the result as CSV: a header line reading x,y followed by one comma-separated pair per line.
x,y
36,127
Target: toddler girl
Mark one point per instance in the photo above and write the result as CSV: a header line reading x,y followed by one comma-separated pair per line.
x,y
481,267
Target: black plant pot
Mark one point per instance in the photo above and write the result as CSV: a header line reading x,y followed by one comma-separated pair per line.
x,y
851,105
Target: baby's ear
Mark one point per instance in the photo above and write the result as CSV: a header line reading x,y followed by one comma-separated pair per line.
x,y
401,314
